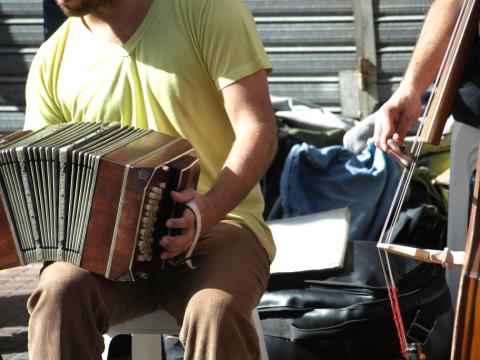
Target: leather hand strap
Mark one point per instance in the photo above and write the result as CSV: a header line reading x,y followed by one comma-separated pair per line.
x,y
198,227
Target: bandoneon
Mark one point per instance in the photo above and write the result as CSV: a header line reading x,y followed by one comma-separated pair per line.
x,y
93,194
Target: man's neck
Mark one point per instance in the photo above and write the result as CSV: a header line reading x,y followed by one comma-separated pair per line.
x,y
118,21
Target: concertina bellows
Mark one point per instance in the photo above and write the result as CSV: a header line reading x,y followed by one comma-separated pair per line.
x,y
96,195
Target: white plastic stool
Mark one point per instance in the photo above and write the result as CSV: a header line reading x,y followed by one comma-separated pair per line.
x,y
146,333
463,156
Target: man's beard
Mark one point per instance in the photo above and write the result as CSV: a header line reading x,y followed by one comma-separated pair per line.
x,y
82,7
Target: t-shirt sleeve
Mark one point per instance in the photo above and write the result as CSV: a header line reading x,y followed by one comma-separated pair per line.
x,y
230,44
41,107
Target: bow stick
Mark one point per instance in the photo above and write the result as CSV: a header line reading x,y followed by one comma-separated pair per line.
x,y
435,116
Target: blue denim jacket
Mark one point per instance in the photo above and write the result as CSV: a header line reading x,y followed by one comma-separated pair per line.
x,y
319,179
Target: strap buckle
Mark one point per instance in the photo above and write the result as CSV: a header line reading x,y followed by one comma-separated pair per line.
x,y
420,329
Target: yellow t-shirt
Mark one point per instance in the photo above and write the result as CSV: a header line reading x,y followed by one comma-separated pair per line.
x,y
166,77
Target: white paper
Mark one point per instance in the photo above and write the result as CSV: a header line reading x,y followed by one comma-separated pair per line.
x,y
310,242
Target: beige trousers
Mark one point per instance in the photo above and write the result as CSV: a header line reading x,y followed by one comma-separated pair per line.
x,y
71,307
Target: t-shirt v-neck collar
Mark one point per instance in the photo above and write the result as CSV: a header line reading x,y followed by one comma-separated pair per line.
x,y
126,48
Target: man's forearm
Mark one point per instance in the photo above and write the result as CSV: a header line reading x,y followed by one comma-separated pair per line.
x,y
431,45
248,106
247,162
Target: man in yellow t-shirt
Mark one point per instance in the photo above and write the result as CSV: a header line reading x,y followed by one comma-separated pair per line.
x,y
189,68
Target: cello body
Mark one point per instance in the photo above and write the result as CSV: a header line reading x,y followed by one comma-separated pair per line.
x,y
466,332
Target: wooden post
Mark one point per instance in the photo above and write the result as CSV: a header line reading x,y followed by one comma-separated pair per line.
x,y
366,56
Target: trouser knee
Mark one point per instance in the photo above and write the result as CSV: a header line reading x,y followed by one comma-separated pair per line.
x,y
216,304
61,288
217,326
67,315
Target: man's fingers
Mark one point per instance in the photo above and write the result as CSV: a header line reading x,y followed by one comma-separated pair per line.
x,y
377,131
403,128
385,126
398,139
179,223
183,196
176,244
170,254
187,220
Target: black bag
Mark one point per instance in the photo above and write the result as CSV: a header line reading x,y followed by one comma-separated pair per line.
x,y
346,314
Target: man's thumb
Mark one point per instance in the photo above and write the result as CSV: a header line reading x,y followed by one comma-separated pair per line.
x,y
183,196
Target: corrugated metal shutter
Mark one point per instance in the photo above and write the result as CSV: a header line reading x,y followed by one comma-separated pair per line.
x,y
308,41
397,26
21,32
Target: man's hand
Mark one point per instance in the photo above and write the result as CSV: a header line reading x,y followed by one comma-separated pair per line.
x,y
176,245
396,116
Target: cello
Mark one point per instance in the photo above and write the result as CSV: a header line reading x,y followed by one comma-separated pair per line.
x,y
466,334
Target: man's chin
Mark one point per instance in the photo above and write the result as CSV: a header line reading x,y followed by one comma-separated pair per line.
x,y
68,12
77,8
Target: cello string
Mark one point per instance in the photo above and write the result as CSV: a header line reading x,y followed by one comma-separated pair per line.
x,y
387,268
397,316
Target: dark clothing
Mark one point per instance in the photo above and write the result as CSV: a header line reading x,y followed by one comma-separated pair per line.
x,y
466,106
52,17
